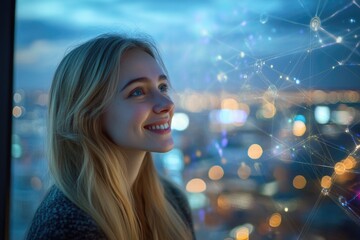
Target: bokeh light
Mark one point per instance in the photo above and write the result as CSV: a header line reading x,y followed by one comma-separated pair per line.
x,y
267,109
196,185
299,182
216,172
275,220
180,121
255,151
326,182
299,128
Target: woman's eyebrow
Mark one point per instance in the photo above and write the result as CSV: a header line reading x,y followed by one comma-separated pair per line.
x,y
162,77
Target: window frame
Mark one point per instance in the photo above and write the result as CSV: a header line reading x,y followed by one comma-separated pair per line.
x,y
7,26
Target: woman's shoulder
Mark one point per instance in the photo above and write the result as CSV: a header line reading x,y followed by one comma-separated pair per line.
x,y
178,199
173,191
59,218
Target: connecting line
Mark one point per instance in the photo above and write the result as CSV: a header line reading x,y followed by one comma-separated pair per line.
x,y
310,218
348,210
339,11
302,5
354,198
354,2
352,52
317,8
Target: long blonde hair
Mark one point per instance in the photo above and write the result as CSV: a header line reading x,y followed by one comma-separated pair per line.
x,y
86,166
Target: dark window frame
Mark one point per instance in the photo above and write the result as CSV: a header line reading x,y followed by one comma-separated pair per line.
x,y
7,25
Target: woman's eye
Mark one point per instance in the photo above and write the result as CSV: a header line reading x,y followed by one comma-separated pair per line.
x,y
137,92
164,87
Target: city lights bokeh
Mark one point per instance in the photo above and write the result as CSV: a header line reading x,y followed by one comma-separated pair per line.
x,y
267,122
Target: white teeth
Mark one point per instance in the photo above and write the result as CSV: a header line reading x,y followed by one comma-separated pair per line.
x,y
159,127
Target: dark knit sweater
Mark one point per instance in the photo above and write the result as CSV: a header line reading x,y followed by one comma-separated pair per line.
x,y
59,218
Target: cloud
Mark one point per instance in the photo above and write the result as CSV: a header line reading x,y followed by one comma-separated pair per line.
x,y
41,53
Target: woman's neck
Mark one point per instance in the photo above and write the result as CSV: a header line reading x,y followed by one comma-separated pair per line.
x,y
134,159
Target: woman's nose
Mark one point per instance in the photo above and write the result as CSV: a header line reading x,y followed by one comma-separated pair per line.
x,y
163,104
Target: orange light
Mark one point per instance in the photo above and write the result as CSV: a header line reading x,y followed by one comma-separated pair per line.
x,y
242,233
326,182
299,182
255,151
339,168
275,220
216,173
299,128
229,103
244,171
349,162
196,185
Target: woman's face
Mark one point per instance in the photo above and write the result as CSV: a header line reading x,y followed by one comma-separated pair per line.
x,y
139,116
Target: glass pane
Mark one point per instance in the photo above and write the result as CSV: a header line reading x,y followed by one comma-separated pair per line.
x,y
266,127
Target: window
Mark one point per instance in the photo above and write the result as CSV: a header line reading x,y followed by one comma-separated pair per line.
x,y
268,97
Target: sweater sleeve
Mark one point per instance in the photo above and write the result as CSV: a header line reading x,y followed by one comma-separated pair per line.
x,y
59,219
179,201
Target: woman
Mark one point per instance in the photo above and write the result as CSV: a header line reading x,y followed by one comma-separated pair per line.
x,y
109,108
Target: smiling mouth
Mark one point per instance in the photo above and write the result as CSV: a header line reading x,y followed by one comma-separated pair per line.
x,y
159,128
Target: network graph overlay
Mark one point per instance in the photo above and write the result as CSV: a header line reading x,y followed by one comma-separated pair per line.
x,y
287,126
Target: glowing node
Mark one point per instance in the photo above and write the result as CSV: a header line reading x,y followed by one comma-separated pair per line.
x,y
342,201
222,77
325,191
286,209
339,39
264,18
315,24
242,54
259,65
297,81
272,90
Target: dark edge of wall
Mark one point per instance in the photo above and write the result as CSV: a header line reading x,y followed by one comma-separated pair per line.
x,y
7,25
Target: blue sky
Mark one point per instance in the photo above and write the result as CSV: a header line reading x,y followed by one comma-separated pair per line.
x,y
204,39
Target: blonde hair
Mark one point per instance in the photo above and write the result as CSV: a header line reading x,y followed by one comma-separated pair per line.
x,y
89,168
